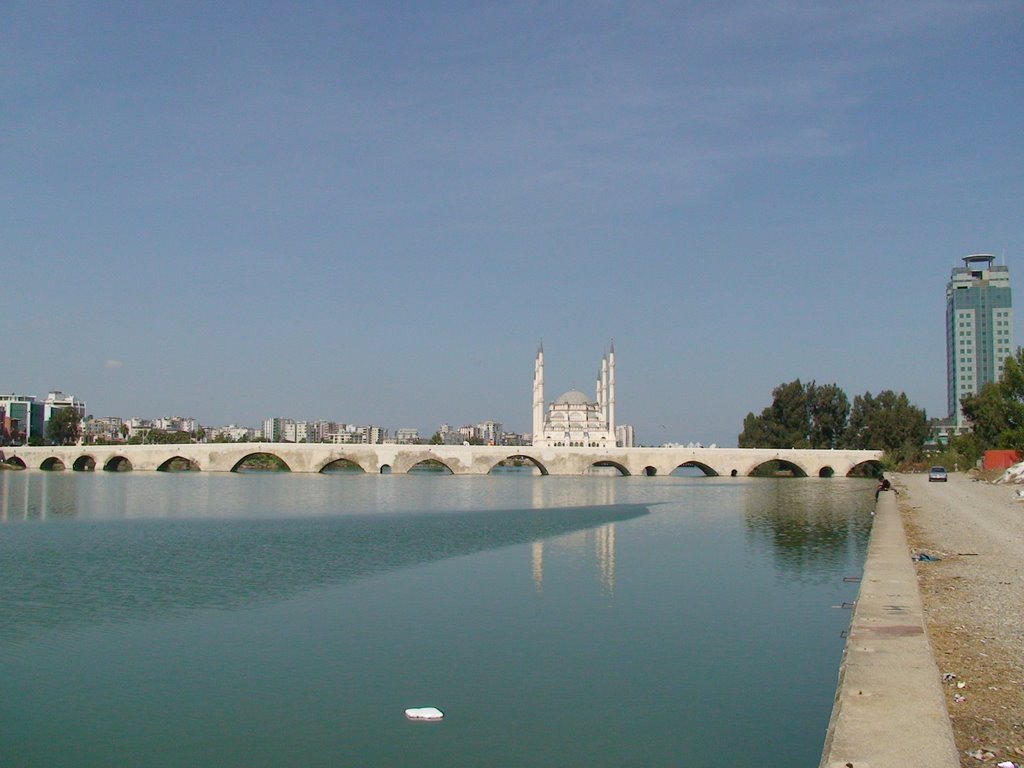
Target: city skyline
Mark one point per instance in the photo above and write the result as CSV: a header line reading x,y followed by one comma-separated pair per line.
x,y
373,213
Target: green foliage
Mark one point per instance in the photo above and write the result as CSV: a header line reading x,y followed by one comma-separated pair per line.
x,y
435,439
754,433
64,427
800,416
774,469
783,424
888,422
997,411
963,452
262,462
820,416
160,437
829,409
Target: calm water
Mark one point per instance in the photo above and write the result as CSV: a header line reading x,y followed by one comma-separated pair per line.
x,y
270,620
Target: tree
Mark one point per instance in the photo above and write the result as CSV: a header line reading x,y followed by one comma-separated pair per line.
x,y
163,437
783,424
988,415
435,439
887,422
820,416
64,426
800,416
829,409
754,433
997,411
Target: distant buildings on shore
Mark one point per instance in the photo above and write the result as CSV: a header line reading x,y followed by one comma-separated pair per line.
x,y
572,420
23,419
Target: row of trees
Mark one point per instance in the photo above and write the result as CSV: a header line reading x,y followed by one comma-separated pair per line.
x,y
813,415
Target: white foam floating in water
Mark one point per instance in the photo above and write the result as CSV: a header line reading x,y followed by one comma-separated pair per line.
x,y
424,713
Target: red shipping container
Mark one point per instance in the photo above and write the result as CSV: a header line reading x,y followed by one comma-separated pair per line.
x,y
1001,459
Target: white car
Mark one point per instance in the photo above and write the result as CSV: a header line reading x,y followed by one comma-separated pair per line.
x,y
937,475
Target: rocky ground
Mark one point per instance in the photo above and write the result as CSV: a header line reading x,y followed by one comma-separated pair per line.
x,y
973,595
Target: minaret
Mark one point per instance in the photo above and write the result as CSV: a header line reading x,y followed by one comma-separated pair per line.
x,y
602,399
538,397
611,392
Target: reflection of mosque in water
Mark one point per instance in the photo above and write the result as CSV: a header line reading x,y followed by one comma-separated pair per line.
x,y
600,542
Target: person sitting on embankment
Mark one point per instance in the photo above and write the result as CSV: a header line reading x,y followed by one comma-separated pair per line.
x,y
885,485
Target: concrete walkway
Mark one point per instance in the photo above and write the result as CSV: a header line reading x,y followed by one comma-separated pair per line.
x,y
889,710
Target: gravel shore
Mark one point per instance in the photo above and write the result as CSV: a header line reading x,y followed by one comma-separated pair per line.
x,y
973,597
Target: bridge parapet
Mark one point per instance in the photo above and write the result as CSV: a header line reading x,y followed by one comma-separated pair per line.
x,y
460,459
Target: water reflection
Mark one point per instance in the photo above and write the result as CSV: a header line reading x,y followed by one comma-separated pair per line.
x,y
600,542
28,495
809,527
87,572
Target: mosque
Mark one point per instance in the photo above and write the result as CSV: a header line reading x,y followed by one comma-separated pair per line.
x,y
573,420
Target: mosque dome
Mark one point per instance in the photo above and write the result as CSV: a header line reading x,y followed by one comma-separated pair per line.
x,y
572,397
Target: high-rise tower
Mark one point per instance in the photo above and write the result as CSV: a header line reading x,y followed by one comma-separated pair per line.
x,y
979,328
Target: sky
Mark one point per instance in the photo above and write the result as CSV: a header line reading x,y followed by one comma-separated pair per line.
x,y
374,212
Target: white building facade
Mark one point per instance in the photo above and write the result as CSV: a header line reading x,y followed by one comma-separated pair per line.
x,y
573,419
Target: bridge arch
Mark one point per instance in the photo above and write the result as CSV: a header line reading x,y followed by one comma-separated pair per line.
x,y
52,464
517,459
778,468
342,466
650,471
826,471
869,468
17,462
605,463
178,464
432,465
117,464
261,461
706,469
385,469
85,463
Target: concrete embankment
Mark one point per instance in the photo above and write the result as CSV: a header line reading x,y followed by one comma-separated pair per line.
x,y
889,709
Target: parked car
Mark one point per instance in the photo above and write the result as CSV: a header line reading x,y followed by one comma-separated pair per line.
x,y
937,475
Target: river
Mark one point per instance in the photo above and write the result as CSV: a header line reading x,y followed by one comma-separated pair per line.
x,y
264,619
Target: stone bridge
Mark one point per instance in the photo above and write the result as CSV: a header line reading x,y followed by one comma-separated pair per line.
x,y
459,459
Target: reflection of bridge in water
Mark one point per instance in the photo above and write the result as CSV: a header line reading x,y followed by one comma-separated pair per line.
x,y
458,459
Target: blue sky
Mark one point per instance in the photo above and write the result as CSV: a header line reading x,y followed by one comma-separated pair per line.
x,y
373,212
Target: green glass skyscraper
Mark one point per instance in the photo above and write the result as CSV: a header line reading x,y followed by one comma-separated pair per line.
x,y
979,328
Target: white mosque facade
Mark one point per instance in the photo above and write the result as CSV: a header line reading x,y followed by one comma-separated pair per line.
x,y
573,420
